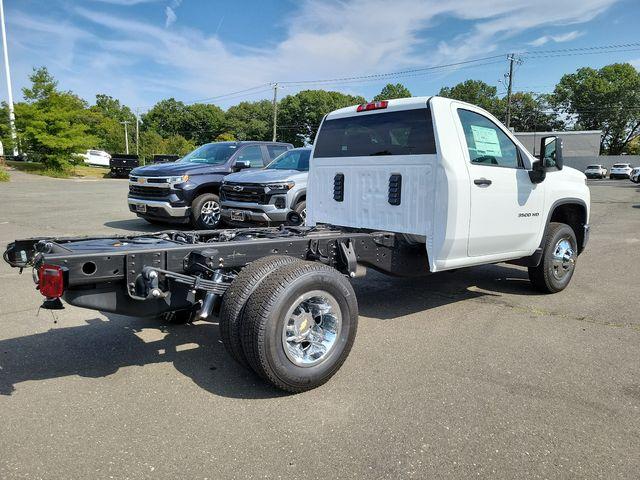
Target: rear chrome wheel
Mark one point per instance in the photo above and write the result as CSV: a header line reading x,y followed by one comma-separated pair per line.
x,y
311,329
299,326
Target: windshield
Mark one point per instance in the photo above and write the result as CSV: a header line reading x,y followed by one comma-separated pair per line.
x,y
211,153
620,165
291,160
593,167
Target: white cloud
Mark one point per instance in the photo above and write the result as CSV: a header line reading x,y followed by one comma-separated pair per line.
x,y
565,37
171,16
323,40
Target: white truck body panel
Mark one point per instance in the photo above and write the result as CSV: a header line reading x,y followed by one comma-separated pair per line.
x,y
462,223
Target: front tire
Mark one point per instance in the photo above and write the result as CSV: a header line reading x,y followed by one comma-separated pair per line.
x,y
559,256
301,210
205,212
300,325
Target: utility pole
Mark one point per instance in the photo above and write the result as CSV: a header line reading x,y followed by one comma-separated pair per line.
x,y
512,59
137,132
126,136
12,116
275,109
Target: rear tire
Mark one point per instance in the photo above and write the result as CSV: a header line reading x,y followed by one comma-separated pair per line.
x,y
235,298
559,256
300,325
205,212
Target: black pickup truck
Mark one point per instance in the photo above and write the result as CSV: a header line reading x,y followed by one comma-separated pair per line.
x,y
187,191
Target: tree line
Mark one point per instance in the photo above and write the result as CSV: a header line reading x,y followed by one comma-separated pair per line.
x,y
54,124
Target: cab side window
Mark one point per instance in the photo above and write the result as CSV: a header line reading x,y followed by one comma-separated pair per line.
x,y
487,143
253,154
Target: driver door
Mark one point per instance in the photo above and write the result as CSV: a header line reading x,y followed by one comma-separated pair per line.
x,y
506,207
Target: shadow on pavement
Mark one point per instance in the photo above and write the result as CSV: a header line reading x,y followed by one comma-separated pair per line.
x,y
101,347
386,298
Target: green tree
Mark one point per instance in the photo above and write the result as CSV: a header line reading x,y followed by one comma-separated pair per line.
x,y
225,137
43,86
301,114
530,113
105,122
167,117
203,123
250,120
52,125
392,91
152,143
606,99
477,93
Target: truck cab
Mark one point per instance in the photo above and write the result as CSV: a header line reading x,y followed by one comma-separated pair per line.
x,y
187,191
446,174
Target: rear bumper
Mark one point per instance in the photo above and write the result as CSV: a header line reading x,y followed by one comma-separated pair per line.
x,y
159,209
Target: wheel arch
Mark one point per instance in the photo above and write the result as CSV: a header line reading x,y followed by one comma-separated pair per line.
x,y
573,212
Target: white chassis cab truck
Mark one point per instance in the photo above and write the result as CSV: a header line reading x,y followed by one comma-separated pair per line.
x,y
407,187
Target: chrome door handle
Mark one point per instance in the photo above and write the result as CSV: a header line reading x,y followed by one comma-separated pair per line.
x,y
482,181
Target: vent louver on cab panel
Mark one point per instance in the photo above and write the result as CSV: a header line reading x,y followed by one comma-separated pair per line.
x,y
395,189
338,187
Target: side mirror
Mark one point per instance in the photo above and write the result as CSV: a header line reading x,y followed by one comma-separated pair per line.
x,y
241,165
551,152
538,172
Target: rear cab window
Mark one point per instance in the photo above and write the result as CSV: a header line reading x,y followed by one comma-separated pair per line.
x,y
403,132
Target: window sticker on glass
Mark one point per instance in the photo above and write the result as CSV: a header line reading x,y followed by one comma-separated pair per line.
x,y
486,140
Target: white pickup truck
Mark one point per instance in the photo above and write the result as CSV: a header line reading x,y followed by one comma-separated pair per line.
x,y
408,187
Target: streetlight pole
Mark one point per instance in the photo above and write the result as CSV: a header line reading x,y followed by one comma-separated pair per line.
x,y
126,136
12,116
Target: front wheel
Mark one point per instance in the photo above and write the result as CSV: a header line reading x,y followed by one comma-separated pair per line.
x,y
205,212
299,326
558,263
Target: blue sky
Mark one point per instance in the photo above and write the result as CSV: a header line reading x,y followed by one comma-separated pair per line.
x,y
141,51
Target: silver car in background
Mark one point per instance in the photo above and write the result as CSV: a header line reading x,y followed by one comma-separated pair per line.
x,y
269,195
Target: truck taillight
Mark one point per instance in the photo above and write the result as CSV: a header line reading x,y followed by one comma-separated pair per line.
x,y
51,281
373,106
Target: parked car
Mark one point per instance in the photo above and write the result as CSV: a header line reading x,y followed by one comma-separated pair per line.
x,y
634,176
268,195
187,191
596,171
620,170
98,158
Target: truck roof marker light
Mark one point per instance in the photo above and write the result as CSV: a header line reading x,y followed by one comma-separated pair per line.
x,y
364,107
51,281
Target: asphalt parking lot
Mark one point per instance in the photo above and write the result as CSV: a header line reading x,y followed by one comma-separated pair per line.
x,y
460,374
